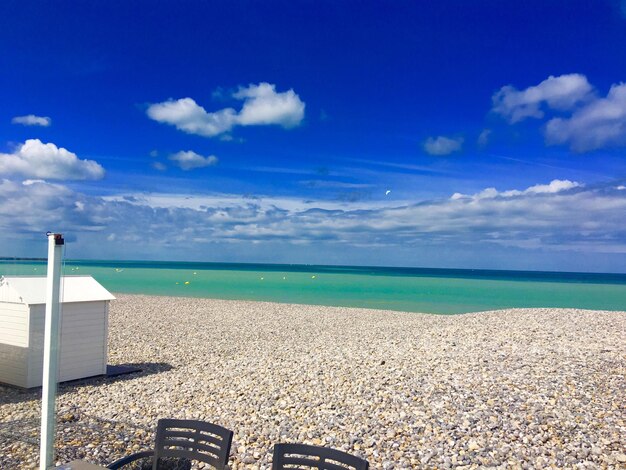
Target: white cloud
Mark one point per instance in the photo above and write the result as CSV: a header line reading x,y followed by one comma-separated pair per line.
x,y
32,120
561,93
34,159
188,160
191,118
591,122
159,166
262,105
483,138
29,182
555,186
598,124
443,145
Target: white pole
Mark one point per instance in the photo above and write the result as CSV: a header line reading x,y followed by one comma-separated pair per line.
x,y
50,351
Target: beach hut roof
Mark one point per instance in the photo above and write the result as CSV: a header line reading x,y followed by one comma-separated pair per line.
x,y
31,290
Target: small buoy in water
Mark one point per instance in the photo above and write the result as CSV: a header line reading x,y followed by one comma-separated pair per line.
x,y
312,277
194,273
186,283
262,278
284,277
177,283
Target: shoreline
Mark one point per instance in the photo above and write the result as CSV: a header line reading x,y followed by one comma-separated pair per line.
x,y
402,389
358,287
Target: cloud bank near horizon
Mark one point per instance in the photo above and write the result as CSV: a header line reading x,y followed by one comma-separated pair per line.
x,y
560,215
262,105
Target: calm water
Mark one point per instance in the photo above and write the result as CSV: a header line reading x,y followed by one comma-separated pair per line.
x,y
445,291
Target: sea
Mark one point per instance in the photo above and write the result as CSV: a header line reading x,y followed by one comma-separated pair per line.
x,y
440,291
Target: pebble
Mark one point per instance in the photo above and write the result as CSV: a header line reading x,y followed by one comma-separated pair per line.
x,y
524,388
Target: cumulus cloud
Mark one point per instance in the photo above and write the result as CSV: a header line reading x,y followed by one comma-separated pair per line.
x,y
598,124
443,145
188,160
191,118
34,159
262,105
555,186
561,93
590,122
32,120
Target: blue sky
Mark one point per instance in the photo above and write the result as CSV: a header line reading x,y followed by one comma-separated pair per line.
x,y
481,134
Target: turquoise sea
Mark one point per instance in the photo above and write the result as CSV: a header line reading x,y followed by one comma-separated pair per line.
x,y
444,291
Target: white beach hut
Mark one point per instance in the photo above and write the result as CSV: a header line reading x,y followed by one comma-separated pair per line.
x,y
83,329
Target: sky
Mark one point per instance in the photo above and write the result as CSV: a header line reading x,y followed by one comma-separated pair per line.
x,y
450,134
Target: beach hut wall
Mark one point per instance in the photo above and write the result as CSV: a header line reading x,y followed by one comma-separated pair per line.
x,y
83,331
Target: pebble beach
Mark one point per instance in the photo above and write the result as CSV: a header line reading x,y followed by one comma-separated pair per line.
x,y
522,388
